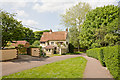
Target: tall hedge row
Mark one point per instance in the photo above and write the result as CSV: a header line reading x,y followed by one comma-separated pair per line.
x,y
93,52
112,60
109,57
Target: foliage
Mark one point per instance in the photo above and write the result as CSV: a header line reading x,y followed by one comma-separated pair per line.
x,y
74,33
11,28
73,53
93,52
29,35
38,34
101,57
21,49
71,48
74,18
112,60
100,27
69,68
36,43
95,45
109,57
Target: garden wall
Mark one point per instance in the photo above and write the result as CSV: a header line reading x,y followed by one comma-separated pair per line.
x,y
8,54
35,51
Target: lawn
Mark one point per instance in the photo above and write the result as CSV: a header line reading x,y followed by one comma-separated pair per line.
x,y
73,53
69,68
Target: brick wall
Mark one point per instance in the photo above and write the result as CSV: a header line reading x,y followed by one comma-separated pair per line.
x,y
8,54
35,51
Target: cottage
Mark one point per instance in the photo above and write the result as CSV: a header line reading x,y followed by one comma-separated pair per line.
x,y
54,42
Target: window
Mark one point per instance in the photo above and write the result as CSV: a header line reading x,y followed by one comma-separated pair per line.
x,y
42,42
52,43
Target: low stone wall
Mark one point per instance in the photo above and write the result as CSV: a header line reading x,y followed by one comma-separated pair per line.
x,y
8,54
35,52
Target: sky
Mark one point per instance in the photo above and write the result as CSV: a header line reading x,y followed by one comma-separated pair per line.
x,y
45,14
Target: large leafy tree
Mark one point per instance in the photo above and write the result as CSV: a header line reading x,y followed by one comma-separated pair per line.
x,y
38,34
100,27
29,35
74,18
11,28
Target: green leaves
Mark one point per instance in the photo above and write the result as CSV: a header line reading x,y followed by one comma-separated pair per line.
x,y
100,27
11,28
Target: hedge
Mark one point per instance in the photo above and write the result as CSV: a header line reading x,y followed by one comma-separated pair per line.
x,y
93,52
109,57
112,60
101,57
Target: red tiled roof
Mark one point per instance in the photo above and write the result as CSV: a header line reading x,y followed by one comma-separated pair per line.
x,y
16,43
60,35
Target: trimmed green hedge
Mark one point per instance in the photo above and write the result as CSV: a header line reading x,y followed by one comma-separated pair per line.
x,y
93,52
101,57
109,57
112,60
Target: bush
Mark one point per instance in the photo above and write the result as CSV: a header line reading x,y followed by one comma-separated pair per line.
x,y
22,49
109,57
93,52
112,60
36,43
101,57
71,48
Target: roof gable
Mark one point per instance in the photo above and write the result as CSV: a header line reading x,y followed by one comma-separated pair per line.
x,y
53,36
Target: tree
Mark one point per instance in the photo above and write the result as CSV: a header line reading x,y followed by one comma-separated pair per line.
x,y
99,24
74,34
36,43
29,35
74,18
11,28
38,34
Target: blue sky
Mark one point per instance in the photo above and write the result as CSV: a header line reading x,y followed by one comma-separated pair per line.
x,y
45,14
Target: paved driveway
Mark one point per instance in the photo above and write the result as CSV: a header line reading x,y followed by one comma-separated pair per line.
x,y
27,62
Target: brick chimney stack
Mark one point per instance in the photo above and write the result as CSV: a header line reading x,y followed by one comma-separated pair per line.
x,y
66,29
50,30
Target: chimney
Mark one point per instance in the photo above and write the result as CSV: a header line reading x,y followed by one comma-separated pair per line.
x,y
66,29
50,30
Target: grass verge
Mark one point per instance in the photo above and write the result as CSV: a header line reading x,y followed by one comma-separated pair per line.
x,y
69,68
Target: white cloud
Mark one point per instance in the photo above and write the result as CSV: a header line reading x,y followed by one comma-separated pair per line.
x,y
12,4
61,5
29,22
21,13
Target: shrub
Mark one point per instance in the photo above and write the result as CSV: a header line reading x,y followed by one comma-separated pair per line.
x,y
93,52
71,48
36,43
21,49
112,60
101,57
